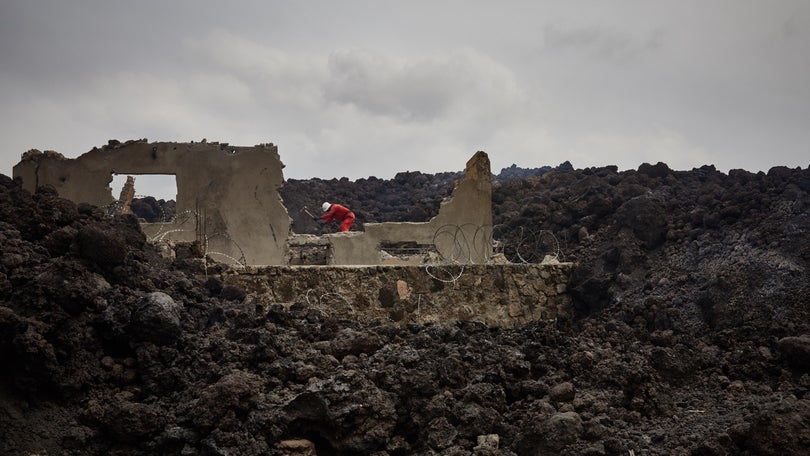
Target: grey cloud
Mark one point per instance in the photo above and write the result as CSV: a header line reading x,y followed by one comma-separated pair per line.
x,y
416,91
423,89
351,89
276,78
601,42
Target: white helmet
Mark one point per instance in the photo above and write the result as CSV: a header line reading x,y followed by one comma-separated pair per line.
x,y
325,206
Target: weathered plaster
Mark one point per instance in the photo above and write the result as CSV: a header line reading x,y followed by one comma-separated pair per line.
x,y
461,232
228,199
226,194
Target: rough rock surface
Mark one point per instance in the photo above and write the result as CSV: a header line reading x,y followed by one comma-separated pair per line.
x,y
690,336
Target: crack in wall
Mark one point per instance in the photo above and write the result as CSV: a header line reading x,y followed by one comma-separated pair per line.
x,y
236,189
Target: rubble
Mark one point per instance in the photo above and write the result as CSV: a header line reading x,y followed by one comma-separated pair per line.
x,y
694,344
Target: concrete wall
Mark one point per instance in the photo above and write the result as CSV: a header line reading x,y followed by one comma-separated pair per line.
x,y
228,199
498,295
461,232
226,194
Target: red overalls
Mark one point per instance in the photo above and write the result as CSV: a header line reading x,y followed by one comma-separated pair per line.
x,y
341,214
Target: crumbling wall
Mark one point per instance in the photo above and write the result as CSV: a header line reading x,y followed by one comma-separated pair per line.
x,y
461,233
227,196
228,200
498,295
126,196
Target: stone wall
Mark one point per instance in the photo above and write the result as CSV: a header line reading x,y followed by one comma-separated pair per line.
x,y
497,295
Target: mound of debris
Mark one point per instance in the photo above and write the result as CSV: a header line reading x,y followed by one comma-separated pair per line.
x,y
692,336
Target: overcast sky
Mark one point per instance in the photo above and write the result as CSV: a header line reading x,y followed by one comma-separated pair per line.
x,y
371,88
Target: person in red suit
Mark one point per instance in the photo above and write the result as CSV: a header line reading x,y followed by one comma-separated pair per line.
x,y
339,213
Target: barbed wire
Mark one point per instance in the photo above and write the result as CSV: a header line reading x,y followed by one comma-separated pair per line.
x,y
446,270
178,219
455,248
181,218
522,245
463,250
329,293
455,245
112,209
242,261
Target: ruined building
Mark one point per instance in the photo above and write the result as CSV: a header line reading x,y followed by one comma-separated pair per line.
x,y
228,200
227,196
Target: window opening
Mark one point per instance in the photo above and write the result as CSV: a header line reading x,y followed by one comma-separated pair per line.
x,y
151,197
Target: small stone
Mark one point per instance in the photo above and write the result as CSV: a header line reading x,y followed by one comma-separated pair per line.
x,y
562,392
487,442
297,447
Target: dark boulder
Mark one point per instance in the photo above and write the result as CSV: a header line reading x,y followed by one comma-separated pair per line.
x,y
156,318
